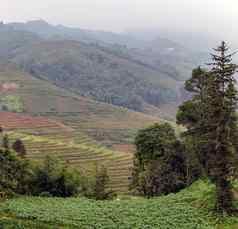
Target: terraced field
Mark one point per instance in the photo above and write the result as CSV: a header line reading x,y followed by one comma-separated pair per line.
x,y
43,136
79,151
78,130
107,127
15,121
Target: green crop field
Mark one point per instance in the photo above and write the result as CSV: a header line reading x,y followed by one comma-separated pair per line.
x,y
189,209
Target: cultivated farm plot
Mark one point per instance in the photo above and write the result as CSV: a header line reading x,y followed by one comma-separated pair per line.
x,y
17,121
175,211
72,147
76,129
108,126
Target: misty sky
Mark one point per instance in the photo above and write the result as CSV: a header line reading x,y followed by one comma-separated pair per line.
x,y
213,16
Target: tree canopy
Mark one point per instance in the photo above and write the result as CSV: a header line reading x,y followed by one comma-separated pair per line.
x,y
160,166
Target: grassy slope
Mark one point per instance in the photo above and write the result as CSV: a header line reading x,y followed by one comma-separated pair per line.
x,y
190,209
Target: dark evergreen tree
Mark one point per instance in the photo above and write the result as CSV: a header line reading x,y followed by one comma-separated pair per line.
x,y
210,117
101,190
220,122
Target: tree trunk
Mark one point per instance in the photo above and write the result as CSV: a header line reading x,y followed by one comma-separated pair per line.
x,y
224,196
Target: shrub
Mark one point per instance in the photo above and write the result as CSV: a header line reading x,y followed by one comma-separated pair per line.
x,y
96,186
55,178
101,191
19,148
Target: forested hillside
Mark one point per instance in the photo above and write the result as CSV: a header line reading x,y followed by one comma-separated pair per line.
x,y
90,64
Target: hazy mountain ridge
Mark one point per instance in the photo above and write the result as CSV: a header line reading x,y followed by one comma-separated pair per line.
x,y
11,39
45,30
108,67
130,40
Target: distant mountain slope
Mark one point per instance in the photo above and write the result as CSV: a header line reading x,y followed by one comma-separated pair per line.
x,y
48,31
112,68
131,40
158,47
90,71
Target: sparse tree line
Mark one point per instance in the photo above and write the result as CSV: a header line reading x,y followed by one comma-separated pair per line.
x,y
165,163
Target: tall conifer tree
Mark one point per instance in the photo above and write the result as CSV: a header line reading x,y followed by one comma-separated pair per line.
x,y
220,123
212,121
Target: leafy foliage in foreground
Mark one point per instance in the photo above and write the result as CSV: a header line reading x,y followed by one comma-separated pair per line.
x,y
7,222
173,211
